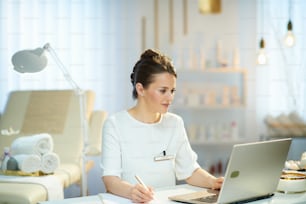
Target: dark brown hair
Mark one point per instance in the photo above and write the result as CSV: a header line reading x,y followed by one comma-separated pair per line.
x,y
151,62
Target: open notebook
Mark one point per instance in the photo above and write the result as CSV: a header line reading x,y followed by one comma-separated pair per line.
x,y
253,173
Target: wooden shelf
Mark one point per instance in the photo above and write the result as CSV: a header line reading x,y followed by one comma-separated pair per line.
x,y
208,107
219,142
214,70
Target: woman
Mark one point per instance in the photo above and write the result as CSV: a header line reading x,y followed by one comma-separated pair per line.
x,y
148,141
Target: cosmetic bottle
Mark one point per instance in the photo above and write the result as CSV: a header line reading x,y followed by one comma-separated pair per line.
x,y
5,158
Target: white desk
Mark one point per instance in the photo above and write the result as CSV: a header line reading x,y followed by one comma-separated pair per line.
x,y
161,196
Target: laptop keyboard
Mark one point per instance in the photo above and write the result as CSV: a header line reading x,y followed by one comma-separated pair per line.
x,y
208,199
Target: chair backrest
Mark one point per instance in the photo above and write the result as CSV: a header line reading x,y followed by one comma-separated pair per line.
x,y
56,112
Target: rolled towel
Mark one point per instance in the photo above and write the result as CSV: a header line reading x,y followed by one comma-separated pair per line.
x,y
49,162
28,163
36,144
303,160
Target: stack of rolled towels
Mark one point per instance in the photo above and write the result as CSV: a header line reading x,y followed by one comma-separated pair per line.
x,y
34,153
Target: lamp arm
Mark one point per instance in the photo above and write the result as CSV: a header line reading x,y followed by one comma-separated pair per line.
x,y
82,102
62,67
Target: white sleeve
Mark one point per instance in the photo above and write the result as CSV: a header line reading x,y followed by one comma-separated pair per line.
x,y
111,151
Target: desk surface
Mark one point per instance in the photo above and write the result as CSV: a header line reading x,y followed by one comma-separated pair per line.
x,y
162,195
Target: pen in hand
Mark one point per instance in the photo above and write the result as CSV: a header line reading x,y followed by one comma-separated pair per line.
x,y
141,182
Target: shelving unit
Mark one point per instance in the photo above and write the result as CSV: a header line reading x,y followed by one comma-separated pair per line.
x,y
205,96
212,103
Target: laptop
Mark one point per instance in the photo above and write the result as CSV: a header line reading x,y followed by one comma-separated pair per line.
x,y
252,173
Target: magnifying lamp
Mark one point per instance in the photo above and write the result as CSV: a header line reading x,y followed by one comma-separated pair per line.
x,y
31,61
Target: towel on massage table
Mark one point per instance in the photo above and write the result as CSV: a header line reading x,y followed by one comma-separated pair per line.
x,y
28,163
34,153
36,144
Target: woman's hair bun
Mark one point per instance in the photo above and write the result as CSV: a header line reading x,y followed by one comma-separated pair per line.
x,y
149,54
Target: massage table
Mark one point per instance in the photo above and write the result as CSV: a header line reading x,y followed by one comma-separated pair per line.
x,y
57,113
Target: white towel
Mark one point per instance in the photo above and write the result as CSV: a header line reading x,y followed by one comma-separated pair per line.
x,y
28,163
49,162
36,144
303,160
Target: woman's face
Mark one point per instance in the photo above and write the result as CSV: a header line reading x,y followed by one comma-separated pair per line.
x,y
159,94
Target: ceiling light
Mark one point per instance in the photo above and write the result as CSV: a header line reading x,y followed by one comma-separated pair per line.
x,y
262,56
289,38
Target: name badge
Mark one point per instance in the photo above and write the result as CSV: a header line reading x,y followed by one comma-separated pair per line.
x,y
163,157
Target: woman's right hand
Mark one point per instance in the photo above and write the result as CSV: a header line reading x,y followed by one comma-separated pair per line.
x,y
217,183
141,194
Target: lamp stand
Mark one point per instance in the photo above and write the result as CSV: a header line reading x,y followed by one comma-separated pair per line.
x,y
82,102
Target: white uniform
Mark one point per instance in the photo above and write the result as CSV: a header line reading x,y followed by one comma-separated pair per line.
x,y
131,147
